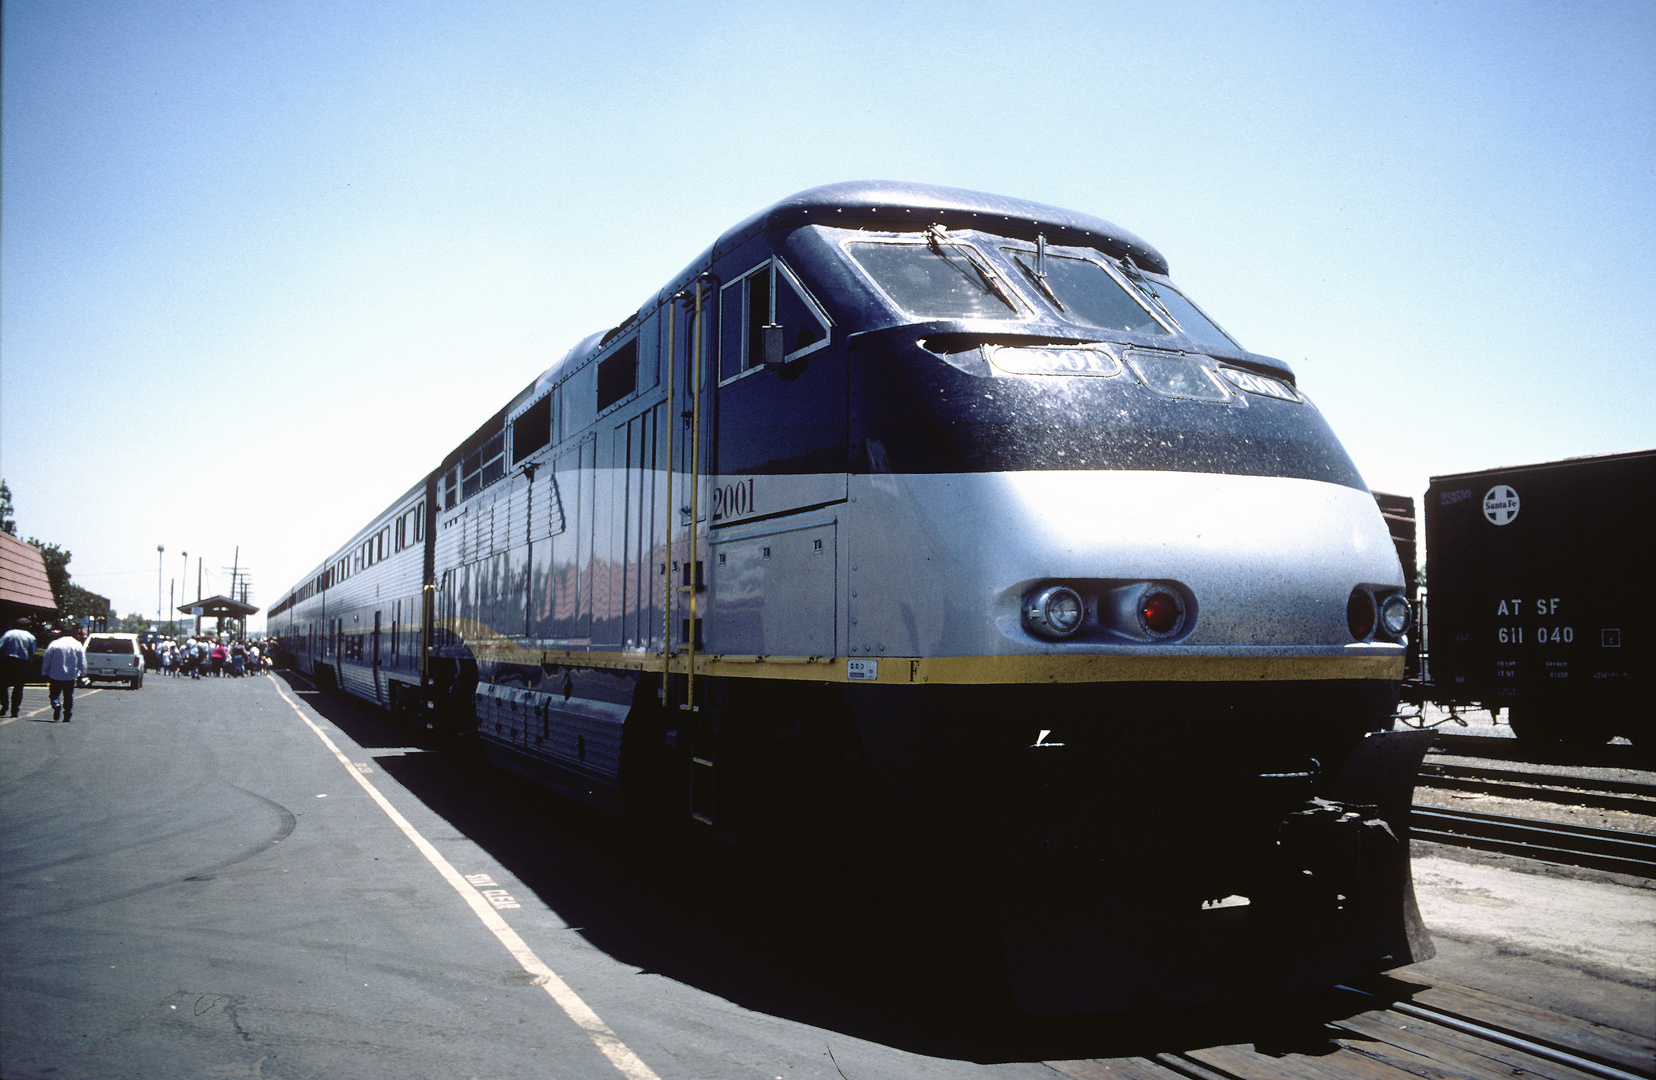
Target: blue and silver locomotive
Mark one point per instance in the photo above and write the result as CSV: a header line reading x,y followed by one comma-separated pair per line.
x,y
941,531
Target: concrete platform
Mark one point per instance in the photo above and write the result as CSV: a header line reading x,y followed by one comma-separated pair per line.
x,y
242,877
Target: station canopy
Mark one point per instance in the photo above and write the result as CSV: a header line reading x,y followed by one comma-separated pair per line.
x,y
218,607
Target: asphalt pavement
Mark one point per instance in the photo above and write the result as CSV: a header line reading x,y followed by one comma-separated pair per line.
x,y
242,877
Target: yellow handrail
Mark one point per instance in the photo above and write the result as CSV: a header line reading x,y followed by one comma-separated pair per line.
x,y
695,499
672,511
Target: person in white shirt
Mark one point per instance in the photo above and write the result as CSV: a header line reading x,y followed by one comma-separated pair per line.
x,y
65,662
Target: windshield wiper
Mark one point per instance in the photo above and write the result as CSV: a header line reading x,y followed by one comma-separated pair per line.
x,y
1037,274
937,236
1146,288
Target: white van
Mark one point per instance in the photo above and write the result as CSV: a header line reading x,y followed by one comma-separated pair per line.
x,y
115,656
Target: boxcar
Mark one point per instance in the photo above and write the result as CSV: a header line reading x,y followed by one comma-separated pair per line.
x,y
1541,580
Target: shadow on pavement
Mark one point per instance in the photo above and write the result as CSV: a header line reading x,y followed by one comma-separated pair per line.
x,y
699,919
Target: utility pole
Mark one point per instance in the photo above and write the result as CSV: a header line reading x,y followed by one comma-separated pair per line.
x,y
241,578
160,549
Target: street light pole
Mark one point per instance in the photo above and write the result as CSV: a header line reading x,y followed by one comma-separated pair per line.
x,y
183,582
160,549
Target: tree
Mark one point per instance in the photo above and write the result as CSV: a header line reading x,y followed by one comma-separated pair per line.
x,y
57,569
132,624
72,601
8,522
79,602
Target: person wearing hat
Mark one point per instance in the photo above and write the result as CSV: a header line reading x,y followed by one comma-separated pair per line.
x,y
65,662
16,649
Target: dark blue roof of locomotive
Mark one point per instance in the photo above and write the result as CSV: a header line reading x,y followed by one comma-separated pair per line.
x,y
894,205
891,204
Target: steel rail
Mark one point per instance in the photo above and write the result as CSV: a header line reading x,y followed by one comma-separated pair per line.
x,y
1497,747
1525,1043
1586,783
1624,795
1613,850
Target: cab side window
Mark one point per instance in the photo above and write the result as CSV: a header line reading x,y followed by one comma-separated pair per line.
x,y
767,295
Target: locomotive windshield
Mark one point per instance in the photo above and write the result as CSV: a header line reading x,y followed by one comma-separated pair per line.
x,y
1086,293
934,281
946,277
1190,320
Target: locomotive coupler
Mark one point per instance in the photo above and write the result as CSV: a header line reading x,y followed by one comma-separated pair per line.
x,y
1337,844
1376,784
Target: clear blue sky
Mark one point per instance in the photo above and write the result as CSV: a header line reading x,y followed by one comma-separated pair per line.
x,y
263,264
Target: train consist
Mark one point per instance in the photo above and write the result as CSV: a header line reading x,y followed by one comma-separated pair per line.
x,y
1539,578
918,535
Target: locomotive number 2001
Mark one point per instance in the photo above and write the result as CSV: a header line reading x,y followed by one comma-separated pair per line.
x,y
733,500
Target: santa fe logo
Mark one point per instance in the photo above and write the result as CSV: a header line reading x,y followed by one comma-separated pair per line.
x,y
1501,505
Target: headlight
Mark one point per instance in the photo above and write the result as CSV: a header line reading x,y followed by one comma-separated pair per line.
x,y
1054,612
1395,615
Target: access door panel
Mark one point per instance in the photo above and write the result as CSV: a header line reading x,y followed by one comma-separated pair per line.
x,y
774,594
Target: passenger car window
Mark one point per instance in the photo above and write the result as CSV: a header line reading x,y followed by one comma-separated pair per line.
x,y
939,281
484,465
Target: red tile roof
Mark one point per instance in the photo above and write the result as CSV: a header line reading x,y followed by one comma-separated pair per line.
x,y
23,577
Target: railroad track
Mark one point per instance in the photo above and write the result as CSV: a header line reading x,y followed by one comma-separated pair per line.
x,y
1613,850
1389,1029
1627,795
1492,1021
1610,755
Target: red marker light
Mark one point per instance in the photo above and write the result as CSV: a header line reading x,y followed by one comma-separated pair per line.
x,y
1360,614
1161,611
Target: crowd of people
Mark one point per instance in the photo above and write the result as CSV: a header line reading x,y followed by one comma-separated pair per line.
x,y
62,661
205,656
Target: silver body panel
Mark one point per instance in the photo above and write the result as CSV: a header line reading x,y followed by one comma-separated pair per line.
x,y
939,565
